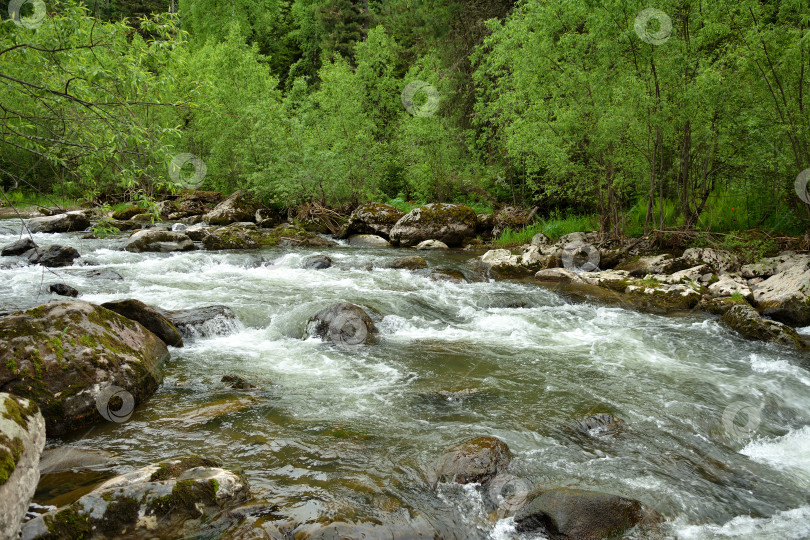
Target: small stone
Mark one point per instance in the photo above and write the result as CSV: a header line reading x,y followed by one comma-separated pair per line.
x,y
63,290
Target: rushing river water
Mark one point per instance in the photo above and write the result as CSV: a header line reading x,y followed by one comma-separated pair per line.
x,y
335,434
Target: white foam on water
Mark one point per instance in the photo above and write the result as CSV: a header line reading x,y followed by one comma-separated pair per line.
x,y
790,452
764,365
788,525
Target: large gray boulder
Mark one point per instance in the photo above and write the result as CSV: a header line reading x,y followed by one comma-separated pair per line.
x,y
239,207
158,240
19,247
22,438
749,324
372,218
60,223
52,256
452,224
152,502
342,324
785,295
72,357
565,514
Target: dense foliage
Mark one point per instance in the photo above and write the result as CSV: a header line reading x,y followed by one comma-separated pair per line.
x,y
566,105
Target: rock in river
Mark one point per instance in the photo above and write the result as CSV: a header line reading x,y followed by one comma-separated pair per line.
x,y
152,502
152,319
748,323
18,248
68,356
238,207
475,461
203,322
60,223
22,438
372,218
159,240
565,514
343,324
52,256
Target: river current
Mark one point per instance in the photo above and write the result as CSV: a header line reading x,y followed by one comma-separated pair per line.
x,y
716,435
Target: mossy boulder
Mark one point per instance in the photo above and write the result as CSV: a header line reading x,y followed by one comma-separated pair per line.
x,y
564,514
22,438
503,264
239,207
452,224
371,218
475,461
159,240
66,356
60,223
785,296
368,241
152,319
512,218
127,213
234,236
749,324
152,502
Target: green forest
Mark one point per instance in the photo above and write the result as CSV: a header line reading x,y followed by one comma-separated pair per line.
x,y
682,114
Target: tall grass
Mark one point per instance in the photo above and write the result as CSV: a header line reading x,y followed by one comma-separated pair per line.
x,y
554,228
22,199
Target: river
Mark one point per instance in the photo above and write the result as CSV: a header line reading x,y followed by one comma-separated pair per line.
x,y
717,433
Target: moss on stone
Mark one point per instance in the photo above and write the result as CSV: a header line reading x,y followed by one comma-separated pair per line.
x,y
169,470
10,452
17,413
68,524
185,497
120,515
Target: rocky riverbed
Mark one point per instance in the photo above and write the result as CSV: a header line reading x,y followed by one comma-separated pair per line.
x,y
225,372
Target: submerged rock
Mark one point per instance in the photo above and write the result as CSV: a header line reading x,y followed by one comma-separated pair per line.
x,y
749,324
564,514
237,382
342,324
19,247
70,357
22,438
63,290
152,319
372,219
408,263
475,461
448,274
158,240
239,207
600,423
52,256
60,223
318,262
151,502
204,321
448,223
104,273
